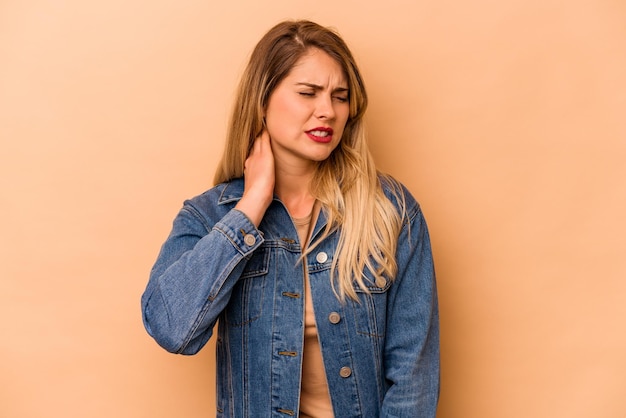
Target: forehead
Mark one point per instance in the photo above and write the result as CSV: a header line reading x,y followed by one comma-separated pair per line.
x,y
317,67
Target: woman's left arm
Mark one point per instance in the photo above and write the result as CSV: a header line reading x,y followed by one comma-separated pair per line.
x,y
411,354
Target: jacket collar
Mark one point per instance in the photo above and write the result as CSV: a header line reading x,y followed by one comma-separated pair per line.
x,y
233,191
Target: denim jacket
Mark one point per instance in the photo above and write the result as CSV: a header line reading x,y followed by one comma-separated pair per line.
x,y
381,354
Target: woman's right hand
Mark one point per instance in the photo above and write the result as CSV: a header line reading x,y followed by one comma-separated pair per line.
x,y
259,179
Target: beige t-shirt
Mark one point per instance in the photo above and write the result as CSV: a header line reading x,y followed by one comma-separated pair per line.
x,y
314,395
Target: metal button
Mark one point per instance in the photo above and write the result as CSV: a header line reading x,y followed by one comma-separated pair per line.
x,y
334,318
249,239
345,372
321,257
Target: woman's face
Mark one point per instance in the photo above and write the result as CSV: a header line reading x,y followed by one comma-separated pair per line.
x,y
307,112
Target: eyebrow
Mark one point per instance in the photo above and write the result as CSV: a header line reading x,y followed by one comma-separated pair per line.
x,y
318,87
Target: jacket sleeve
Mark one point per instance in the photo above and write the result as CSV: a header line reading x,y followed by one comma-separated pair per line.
x,y
193,277
411,353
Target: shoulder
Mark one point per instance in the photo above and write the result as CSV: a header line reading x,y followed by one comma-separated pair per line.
x,y
217,200
220,193
399,195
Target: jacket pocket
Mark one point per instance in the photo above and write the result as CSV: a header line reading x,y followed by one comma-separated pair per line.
x,y
246,301
370,314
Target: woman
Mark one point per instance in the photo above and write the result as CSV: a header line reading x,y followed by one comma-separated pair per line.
x,y
317,268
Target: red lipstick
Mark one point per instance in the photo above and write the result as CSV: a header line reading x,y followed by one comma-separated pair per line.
x,y
321,134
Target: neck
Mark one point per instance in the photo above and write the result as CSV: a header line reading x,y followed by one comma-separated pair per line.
x,y
293,187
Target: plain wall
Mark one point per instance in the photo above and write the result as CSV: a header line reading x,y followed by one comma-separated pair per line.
x,y
505,119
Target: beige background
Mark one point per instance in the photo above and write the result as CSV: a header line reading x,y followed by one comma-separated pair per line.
x,y
505,118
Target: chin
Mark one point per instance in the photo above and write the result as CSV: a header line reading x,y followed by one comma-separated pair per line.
x,y
318,158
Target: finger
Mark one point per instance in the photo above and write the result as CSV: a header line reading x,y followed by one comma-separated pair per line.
x,y
265,140
254,149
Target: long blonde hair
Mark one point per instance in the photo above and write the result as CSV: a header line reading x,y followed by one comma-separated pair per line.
x,y
347,184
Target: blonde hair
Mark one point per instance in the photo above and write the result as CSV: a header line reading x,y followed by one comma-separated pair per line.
x,y
347,184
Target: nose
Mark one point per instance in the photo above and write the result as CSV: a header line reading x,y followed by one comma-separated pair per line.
x,y
325,107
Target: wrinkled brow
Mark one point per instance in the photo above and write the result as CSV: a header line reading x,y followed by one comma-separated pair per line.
x,y
318,87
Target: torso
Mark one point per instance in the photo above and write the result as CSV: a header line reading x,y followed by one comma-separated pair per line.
x,y
314,397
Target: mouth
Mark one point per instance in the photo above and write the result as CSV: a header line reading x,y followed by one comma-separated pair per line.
x,y
321,134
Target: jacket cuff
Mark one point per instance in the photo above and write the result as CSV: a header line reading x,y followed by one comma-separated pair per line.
x,y
241,232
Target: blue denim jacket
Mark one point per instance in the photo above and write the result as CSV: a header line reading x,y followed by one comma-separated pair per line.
x,y
381,355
